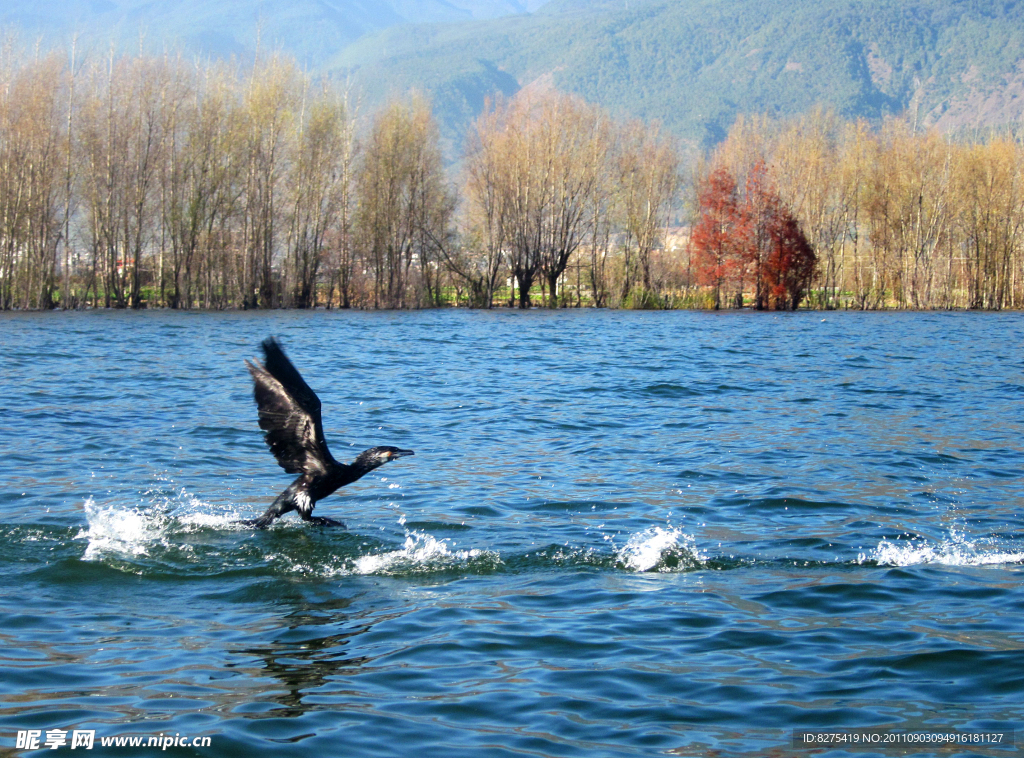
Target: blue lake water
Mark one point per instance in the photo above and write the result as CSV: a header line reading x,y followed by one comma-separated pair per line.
x,y
622,534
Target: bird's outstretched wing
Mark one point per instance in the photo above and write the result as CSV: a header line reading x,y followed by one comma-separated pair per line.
x,y
289,413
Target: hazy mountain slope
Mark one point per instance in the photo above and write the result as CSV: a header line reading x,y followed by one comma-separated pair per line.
x,y
310,30
696,64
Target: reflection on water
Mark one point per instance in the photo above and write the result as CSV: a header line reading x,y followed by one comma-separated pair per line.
x,y
303,659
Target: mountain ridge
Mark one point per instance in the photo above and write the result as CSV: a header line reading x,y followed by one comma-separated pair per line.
x,y
693,65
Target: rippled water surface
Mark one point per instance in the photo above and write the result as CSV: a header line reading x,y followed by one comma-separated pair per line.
x,y
622,534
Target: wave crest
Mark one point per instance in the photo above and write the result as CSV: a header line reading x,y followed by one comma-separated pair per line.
x,y
124,531
956,550
658,549
133,532
422,552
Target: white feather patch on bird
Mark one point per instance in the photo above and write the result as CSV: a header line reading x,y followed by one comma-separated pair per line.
x,y
303,502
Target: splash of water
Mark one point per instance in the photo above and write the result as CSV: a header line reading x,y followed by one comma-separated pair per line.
x,y
956,550
135,530
161,528
420,552
658,549
125,531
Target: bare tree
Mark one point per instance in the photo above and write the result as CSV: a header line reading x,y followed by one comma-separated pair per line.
x,y
649,179
404,211
340,259
268,108
316,190
543,161
33,128
200,186
989,220
486,222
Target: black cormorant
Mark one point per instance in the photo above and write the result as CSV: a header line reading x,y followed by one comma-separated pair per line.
x,y
290,415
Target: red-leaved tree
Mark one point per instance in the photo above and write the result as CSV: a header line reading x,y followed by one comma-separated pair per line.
x,y
790,263
720,235
753,238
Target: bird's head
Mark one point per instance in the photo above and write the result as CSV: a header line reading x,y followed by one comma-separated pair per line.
x,y
378,456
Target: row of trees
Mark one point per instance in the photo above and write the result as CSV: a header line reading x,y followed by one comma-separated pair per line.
x,y
151,181
553,182
896,218
135,181
147,181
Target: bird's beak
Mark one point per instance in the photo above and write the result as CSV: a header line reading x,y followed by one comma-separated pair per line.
x,y
402,453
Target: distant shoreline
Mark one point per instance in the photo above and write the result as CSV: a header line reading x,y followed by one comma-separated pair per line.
x,y
502,309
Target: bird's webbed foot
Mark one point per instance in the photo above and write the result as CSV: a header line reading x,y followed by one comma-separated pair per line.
x,y
274,512
323,521
258,523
